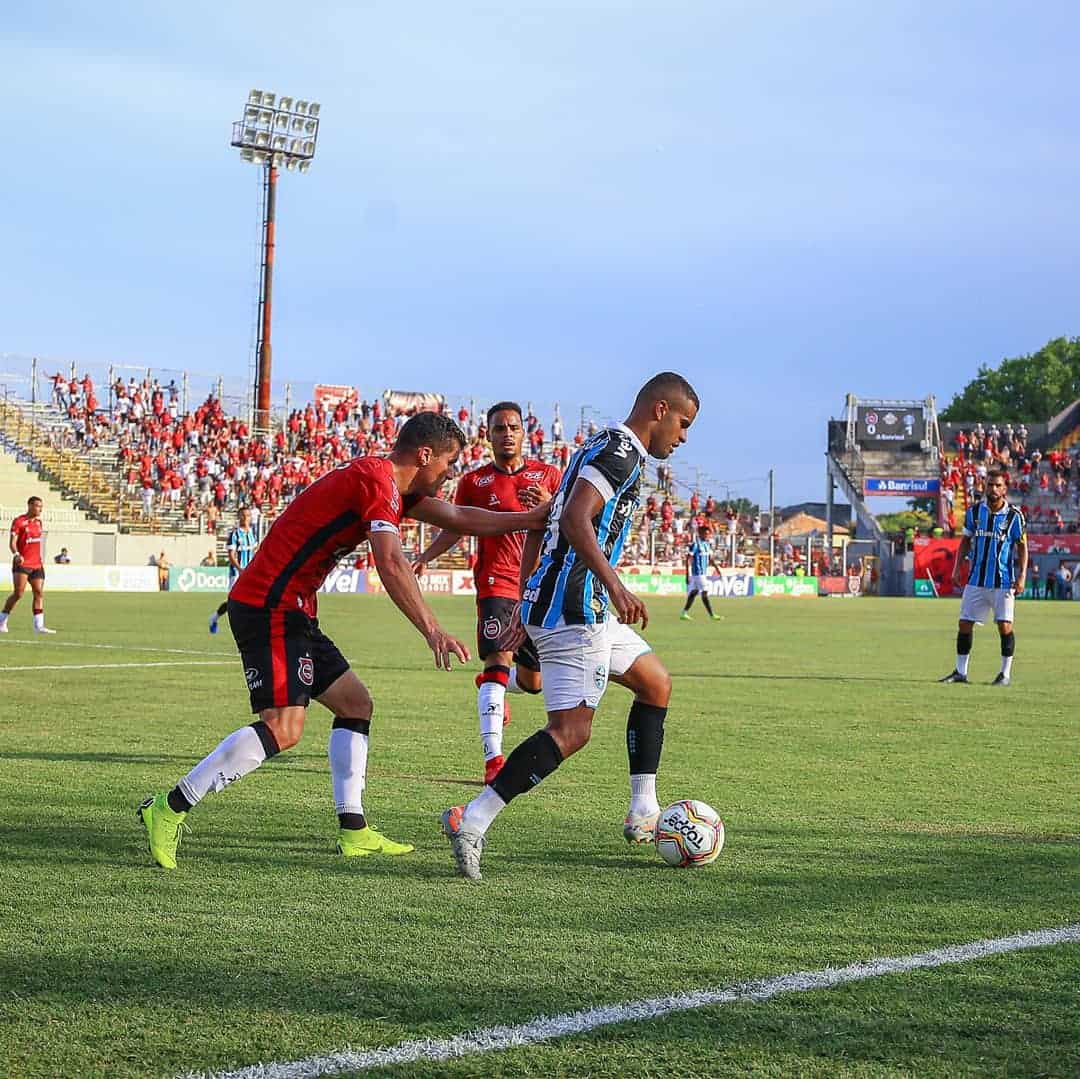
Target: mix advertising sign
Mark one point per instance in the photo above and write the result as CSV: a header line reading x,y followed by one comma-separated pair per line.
x,y
900,487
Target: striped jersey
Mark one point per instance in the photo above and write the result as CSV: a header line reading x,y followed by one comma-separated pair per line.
x,y
994,537
699,557
242,542
562,590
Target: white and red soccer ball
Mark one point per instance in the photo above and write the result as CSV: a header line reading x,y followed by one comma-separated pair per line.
x,y
689,834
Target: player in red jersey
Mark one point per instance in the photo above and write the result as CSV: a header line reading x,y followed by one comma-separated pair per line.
x,y
288,660
511,483
26,565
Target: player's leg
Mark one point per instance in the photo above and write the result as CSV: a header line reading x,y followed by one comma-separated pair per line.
x,y
37,588
575,663
973,606
18,587
640,670
349,700
1004,607
708,606
525,676
223,609
494,615
275,651
691,595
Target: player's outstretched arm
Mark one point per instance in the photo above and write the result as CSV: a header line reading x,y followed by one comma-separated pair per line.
x,y
400,583
576,523
468,521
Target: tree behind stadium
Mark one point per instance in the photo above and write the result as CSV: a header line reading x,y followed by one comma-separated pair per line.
x,y
1024,389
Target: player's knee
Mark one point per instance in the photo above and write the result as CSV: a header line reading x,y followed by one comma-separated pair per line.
x,y
1005,628
287,728
965,626
359,704
570,732
529,680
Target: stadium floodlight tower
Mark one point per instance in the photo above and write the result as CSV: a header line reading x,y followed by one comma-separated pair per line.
x,y
276,132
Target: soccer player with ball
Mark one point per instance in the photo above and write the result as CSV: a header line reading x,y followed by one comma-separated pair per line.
x,y
567,610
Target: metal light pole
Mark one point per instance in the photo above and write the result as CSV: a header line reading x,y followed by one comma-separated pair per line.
x,y
276,132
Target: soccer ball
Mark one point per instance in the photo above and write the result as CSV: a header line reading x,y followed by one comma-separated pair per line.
x,y
689,833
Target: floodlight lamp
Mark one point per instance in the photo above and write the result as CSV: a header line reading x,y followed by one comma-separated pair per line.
x,y
290,164
310,127
301,106
266,117
255,97
258,157
309,147
262,139
285,103
269,99
278,160
251,113
249,134
303,166
278,142
297,124
313,109
247,155
281,119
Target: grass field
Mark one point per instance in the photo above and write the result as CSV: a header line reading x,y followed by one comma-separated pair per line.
x,y
869,813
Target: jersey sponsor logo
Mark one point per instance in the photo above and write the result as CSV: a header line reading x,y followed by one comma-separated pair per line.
x,y
533,475
395,499
483,481
306,670
253,677
492,628
623,448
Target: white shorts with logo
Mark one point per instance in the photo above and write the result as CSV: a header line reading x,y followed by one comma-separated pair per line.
x,y
976,603
576,661
697,582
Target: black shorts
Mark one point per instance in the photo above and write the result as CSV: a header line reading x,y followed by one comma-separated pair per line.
x,y
37,574
287,659
493,616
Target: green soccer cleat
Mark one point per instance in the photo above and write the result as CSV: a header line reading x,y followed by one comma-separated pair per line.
x,y
684,617
163,830
360,842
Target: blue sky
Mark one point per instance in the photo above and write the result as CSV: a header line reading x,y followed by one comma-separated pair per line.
x,y
552,201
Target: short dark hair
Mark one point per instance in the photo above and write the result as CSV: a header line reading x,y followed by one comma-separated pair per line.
x,y
663,387
504,406
995,472
33,498
430,429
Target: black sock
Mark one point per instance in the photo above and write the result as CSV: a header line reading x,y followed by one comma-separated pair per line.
x,y
705,600
177,802
352,821
535,759
223,608
690,600
1008,644
645,737
266,736
963,643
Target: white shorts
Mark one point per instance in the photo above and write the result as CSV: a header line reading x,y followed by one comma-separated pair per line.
x,y
976,603
697,582
576,661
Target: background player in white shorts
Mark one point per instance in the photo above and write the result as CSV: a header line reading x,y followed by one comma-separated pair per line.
x,y
565,612
994,534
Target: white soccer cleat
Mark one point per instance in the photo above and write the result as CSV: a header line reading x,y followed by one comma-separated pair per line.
x,y
467,846
640,827
3,627
44,629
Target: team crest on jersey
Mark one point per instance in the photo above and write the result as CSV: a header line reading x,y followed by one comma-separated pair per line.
x,y
600,676
494,499
491,629
306,671
483,481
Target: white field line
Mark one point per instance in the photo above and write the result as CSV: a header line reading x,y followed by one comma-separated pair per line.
x,y
499,1038
112,666
50,643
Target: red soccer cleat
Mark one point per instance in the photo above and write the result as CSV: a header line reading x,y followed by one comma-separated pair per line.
x,y
492,768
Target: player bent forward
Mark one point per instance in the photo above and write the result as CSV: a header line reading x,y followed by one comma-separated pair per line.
x,y
565,613
288,661
994,532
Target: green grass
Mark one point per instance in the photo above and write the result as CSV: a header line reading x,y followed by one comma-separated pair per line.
x,y
869,813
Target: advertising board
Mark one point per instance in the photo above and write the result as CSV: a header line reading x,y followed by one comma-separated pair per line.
x,y
901,487
792,587
198,579
94,578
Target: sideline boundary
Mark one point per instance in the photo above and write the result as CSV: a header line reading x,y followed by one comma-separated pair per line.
x,y
547,1028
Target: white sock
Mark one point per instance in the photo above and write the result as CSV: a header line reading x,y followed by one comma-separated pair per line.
x,y
512,686
962,663
240,753
490,698
481,811
1006,666
39,620
643,794
348,768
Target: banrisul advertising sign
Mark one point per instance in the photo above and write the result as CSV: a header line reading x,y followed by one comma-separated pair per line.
x,y
900,487
796,587
198,579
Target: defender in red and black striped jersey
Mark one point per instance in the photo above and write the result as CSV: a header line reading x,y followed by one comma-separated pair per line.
x,y
27,567
509,484
288,661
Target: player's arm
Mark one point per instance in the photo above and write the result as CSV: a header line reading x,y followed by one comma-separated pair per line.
x,y
576,524
400,583
961,557
469,521
13,543
231,552
1021,563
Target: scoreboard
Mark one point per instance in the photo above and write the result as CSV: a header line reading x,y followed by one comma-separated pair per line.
x,y
881,427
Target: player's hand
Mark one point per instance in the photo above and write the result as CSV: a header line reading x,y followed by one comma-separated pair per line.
x,y
1019,584
443,646
631,609
534,495
419,567
16,559
513,637
956,577
538,516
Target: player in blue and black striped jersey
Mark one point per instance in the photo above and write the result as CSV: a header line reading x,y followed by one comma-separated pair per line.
x,y
565,605
995,537
240,547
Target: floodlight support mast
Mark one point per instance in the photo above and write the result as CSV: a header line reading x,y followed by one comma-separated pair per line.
x,y
263,350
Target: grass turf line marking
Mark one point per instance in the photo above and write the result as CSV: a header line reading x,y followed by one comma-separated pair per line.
x,y
113,666
114,647
546,1028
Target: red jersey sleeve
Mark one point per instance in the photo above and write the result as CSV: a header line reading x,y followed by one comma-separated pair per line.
x,y
378,500
17,528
